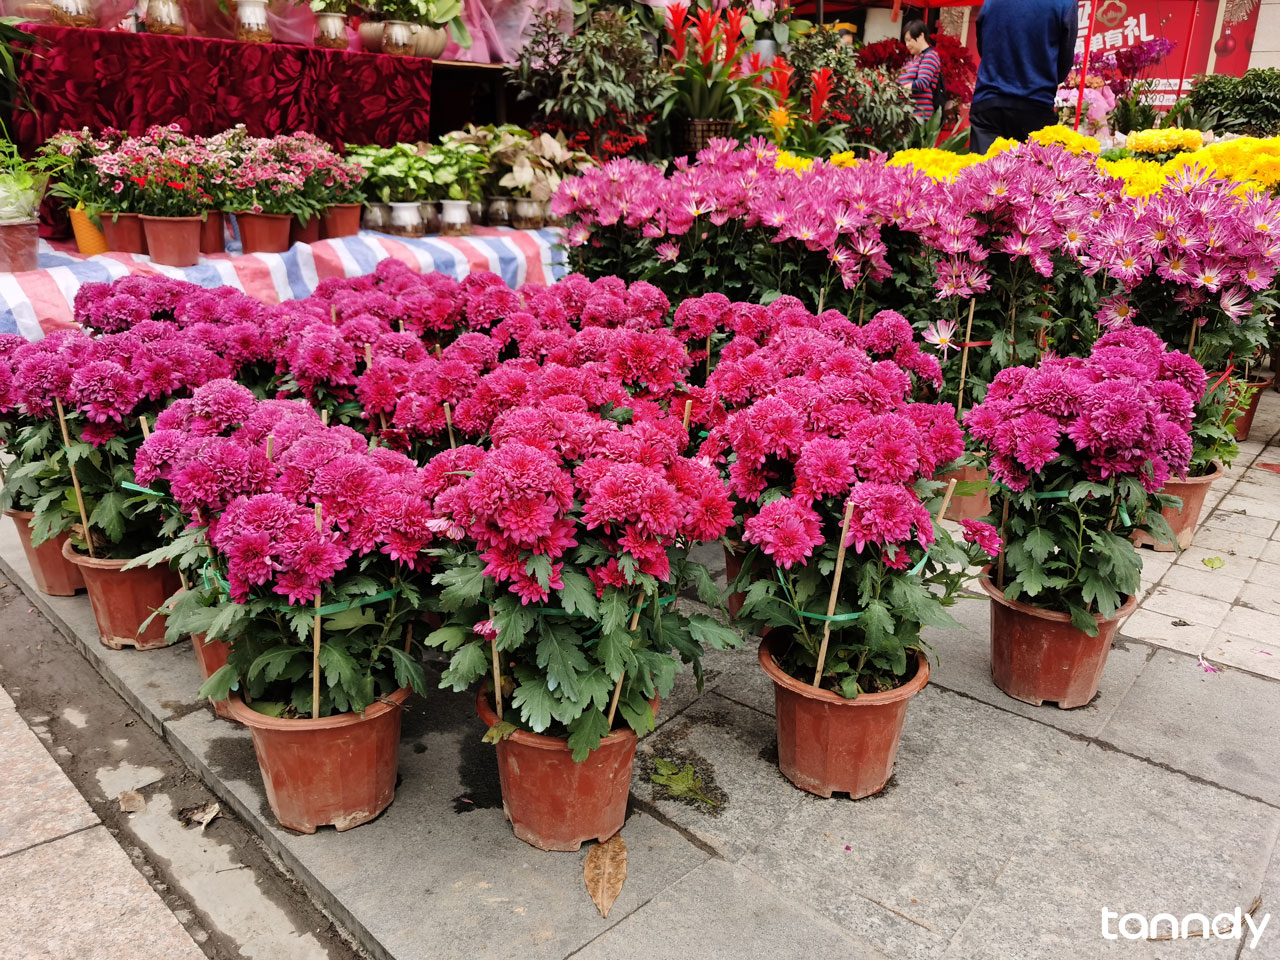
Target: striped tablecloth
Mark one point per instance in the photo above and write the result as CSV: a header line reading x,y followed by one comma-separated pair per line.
x,y
39,301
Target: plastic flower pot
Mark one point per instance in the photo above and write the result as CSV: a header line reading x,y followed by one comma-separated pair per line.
x,y
308,232
264,232
398,39
53,573
1245,421
1186,518
377,216
1039,655
19,245
974,505
212,656
90,241
500,210
554,803
340,220
430,41
331,31
173,241
123,232
828,744
123,599
406,219
455,218
212,239
338,770
527,214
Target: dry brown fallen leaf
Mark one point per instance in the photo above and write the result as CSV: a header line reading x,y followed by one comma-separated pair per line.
x,y
199,816
605,871
131,801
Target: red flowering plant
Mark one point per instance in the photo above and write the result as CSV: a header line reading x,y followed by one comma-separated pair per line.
x,y
803,125
169,187
1079,449
712,78
83,402
832,464
571,539
289,527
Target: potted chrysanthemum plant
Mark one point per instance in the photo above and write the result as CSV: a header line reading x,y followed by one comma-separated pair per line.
x,y
571,540
314,581
851,564
1079,450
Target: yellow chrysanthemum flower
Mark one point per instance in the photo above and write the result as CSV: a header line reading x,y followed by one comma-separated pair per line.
x,y
789,161
1168,140
938,164
1068,139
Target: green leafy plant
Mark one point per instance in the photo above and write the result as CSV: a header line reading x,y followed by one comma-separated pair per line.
x,y
681,782
431,13
1249,104
708,65
22,182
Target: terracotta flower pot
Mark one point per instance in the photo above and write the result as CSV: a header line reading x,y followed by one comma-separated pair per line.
x,y
974,505
1245,420
1038,655
338,770
554,803
304,233
124,233
340,220
212,656
212,239
19,246
173,241
53,574
1185,519
123,599
828,744
264,232
90,241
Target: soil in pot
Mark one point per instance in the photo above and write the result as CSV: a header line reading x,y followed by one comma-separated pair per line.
x,y
123,599
53,574
1185,519
342,220
211,655
173,241
828,744
338,770
264,232
212,239
554,803
19,246
308,232
1244,422
123,232
1039,656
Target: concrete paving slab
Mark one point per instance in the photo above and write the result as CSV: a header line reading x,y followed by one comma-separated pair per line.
x,y
1222,727
963,664
1186,606
441,865
1211,536
37,801
1194,557
1203,582
1241,522
714,912
1244,621
733,749
159,684
1162,630
1242,653
1234,504
1262,597
1048,899
1266,573
80,897
969,783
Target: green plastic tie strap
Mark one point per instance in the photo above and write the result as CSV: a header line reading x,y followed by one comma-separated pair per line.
x,y
139,489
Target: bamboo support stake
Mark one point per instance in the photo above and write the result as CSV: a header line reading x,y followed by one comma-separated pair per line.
x,y
708,357
946,499
835,593
497,670
1004,520
964,358
75,481
617,691
146,427
271,439
315,640
688,409
448,422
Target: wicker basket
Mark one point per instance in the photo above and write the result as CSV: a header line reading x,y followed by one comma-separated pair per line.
x,y
693,135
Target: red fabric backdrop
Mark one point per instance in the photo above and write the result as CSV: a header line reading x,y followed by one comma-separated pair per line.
x,y
99,78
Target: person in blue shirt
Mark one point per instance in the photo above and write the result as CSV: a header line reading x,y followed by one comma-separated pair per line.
x,y
1027,48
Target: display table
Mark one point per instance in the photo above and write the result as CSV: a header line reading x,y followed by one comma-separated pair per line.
x,y
35,303
101,78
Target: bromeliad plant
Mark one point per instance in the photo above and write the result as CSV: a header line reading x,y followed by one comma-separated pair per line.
x,y
571,539
712,77
1079,449
833,464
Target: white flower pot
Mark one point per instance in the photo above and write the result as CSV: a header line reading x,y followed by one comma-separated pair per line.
x,y
430,216
455,218
377,216
398,39
74,13
406,219
370,33
331,30
528,214
251,21
430,41
767,48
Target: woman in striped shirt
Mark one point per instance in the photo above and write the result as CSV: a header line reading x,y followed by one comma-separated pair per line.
x,y
923,72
